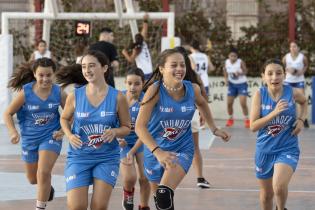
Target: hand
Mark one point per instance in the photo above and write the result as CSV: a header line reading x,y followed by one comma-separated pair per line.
x,y
109,135
58,135
221,133
129,158
75,141
290,70
15,137
280,107
298,126
122,142
146,16
166,159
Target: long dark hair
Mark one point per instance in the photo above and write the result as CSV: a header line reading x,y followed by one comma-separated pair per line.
x,y
73,74
156,75
25,72
192,75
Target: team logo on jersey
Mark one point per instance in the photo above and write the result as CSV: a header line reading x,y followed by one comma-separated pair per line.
x,y
104,114
94,134
52,105
187,108
32,107
174,128
43,118
274,130
266,107
278,124
82,114
95,141
166,109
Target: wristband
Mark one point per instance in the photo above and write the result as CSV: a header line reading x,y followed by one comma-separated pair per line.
x,y
157,147
301,119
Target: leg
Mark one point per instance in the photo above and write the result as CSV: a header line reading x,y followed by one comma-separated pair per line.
x,y
101,194
143,181
129,178
77,198
266,194
165,191
243,102
46,163
31,172
230,101
281,178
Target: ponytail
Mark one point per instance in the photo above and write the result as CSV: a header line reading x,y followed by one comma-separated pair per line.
x,y
70,75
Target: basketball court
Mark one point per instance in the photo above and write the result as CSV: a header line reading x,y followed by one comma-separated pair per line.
x,y
228,166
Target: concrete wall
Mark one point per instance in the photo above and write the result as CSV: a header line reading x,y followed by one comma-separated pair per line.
x,y
218,95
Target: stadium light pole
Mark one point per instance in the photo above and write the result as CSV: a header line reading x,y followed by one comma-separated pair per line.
x,y
292,23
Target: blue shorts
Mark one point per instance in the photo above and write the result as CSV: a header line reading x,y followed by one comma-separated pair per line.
x,y
83,174
296,84
265,162
207,90
237,89
126,149
31,155
153,170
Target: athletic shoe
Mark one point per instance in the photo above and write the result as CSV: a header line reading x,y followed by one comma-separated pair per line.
x,y
229,122
306,124
144,208
202,183
51,194
127,202
284,208
246,123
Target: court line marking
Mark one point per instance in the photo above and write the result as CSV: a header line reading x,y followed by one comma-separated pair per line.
x,y
240,159
248,167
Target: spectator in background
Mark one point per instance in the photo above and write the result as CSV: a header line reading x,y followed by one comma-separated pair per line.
x,y
106,46
140,53
42,52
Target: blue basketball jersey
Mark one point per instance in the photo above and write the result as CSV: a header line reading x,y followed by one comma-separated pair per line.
x,y
38,118
90,123
133,110
276,135
170,123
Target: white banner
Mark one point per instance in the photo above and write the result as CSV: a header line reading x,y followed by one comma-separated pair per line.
x,y
6,66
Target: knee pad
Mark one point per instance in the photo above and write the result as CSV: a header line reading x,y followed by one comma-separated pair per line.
x,y
164,198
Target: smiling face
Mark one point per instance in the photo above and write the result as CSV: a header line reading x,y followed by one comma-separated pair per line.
x,y
273,76
134,85
174,69
44,76
92,69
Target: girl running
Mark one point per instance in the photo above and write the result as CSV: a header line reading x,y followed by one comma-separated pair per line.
x,y
36,105
235,78
93,154
275,118
296,65
164,126
132,148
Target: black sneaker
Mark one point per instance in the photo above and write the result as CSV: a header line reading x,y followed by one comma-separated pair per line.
x,y
51,194
127,202
202,183
306,124
284,208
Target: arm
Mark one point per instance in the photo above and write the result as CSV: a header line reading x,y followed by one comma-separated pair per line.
x,y
130,58
193,64
210,65
66,120
305,61
165,158
58,135
145,26
256,121
243,68
203,107
13,108
32,58
225,75
302,112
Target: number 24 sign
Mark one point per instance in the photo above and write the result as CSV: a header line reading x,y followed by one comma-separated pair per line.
x,y
83,28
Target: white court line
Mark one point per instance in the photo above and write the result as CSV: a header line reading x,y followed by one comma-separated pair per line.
x,y
238,159
248,167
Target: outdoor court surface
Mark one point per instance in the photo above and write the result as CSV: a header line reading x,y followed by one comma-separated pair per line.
x,y
228,166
